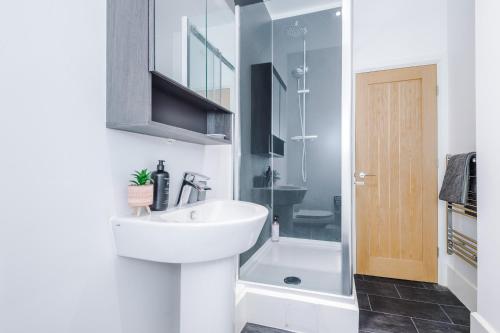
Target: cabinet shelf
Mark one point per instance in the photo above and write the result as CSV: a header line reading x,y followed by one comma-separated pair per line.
x,y
171,132
173,88
187,115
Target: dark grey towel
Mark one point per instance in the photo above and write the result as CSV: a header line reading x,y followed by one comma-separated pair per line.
x,y
456,183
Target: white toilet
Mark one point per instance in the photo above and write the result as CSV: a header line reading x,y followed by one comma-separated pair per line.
x,y
316,217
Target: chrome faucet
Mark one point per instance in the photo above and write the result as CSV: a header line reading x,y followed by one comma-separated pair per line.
x,y
193,188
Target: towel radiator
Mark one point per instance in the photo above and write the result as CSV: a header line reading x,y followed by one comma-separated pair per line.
x,y
459,244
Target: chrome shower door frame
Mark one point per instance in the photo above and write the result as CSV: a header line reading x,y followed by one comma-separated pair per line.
x,y
347,150
347,145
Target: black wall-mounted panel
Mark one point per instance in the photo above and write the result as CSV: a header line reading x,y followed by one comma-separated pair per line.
x,y
263,142
261,106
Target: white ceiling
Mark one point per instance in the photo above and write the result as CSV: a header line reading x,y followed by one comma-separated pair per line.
x,y
279,9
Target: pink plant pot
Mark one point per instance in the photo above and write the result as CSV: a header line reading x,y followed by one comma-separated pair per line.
x,y
140,196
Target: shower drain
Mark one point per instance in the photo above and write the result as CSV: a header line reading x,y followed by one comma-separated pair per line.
x,y
292,280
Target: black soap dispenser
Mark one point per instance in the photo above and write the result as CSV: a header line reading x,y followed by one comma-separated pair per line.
x,y
161,182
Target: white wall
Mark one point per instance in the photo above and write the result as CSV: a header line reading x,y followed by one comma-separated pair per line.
x,y
64,174
461,64
391,33
487,318
401,33
462,277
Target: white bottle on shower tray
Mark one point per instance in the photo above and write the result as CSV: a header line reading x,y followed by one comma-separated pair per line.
x,y
275,230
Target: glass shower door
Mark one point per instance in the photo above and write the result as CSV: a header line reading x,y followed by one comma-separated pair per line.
x,y
299,180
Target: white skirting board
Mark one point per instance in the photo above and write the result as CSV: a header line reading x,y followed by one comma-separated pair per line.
x,y
295,312
479,325
462,288
241,308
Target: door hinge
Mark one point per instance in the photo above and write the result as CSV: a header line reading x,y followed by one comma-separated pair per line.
x,y
438,252
437,90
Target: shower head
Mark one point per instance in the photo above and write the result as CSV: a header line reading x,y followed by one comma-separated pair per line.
x,y
296,30
299,72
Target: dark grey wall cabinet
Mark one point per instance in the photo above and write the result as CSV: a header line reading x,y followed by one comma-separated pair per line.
x,y
265,141
150,103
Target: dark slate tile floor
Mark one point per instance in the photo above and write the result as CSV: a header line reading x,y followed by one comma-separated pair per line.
x,y
400,306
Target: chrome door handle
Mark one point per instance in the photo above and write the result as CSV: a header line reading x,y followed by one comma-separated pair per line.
x,y
363,175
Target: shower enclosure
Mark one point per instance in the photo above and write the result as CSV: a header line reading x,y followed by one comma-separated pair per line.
x,y
290,149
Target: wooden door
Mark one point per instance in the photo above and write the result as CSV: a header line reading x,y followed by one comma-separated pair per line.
x,y
396,173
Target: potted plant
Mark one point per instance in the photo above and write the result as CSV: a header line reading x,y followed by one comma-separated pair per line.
x,y
140,191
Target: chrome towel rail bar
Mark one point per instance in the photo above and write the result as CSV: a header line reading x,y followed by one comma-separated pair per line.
x,y
459,244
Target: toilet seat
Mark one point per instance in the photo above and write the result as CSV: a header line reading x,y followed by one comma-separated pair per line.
x,y
312,214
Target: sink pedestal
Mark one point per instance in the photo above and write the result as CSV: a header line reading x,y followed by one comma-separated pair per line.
x,y
207,296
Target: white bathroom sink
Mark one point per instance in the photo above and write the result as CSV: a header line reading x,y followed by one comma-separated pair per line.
x,y
200,232
205,239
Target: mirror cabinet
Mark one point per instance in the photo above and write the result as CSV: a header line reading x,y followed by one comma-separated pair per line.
x,y
171,69
193,43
